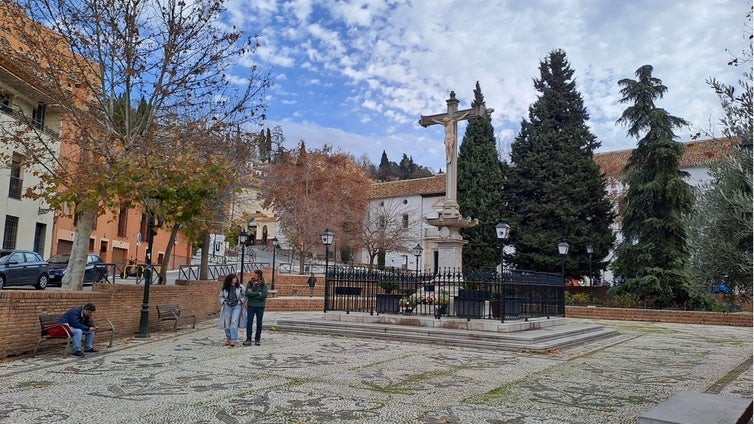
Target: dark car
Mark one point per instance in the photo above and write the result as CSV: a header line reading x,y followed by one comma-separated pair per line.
x,y
23,268
95,271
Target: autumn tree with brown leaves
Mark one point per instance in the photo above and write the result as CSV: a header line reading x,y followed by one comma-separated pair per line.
x,y
315,190
147,99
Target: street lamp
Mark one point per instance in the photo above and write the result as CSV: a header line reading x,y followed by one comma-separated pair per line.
x,y
563,250
275,243
502,230
327,238
243,238
152,224
417,253
590,250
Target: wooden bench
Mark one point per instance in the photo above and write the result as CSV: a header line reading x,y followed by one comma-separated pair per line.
x,y
52,329
172,312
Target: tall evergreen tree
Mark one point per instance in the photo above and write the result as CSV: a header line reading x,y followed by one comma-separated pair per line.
x,y
653,253
383,170
553,190
480,180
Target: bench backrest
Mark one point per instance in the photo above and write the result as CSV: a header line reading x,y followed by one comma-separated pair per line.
x,y
169,308
48,320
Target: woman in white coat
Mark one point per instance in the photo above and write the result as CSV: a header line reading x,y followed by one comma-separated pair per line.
x,y
232,309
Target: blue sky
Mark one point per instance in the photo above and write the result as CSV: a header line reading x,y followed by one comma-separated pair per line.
x,y
357,75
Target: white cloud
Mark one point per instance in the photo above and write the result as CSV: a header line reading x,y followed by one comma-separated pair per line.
x,y
391,61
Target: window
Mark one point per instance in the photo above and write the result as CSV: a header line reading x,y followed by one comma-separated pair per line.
x,y
11,232
122,221
38,116
382,222
405,220
5,102
16,183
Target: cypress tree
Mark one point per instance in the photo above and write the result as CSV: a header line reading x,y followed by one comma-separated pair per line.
x,y
480,180
653,253
553,190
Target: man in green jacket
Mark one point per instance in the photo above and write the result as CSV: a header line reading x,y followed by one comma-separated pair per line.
x,y
256,292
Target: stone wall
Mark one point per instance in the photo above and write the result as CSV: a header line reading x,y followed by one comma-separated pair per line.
x,y
739,319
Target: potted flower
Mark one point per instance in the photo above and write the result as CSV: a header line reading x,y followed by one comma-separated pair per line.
x,y
441,304
406,304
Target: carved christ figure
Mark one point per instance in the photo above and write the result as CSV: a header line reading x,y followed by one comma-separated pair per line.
x,y
449,121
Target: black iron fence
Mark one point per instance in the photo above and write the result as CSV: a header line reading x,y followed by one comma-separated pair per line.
x,y
215,271
489,295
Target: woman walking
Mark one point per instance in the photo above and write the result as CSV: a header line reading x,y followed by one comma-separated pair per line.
x,y
256,293
232,313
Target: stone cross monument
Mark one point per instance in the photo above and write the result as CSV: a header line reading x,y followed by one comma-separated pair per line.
x,y
450,243
449,120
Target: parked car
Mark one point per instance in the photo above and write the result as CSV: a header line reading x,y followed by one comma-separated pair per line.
x,y
95,271
23,268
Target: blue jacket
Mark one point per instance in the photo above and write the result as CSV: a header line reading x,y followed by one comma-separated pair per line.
x,y
75,318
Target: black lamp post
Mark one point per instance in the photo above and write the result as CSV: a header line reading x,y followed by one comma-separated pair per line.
x,y
243,238
327,239
275,243
563,250
152,225
502,230
417,254
590,250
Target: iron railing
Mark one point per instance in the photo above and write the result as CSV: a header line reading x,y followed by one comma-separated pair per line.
x,y
191,272
513,294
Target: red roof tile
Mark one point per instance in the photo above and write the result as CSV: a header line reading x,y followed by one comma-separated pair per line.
x,y
695,154
434,185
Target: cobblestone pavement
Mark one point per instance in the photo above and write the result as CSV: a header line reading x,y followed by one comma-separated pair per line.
x,y
190,377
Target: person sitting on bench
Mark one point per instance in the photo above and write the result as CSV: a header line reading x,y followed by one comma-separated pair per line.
x,y
81,323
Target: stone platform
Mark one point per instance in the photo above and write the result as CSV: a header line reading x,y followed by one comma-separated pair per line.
x,y
535,335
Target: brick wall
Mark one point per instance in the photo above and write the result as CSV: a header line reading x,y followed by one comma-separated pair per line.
x,y
740,319
20,309
121,304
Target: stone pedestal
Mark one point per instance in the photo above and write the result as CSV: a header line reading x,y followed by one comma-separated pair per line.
x,y
450,243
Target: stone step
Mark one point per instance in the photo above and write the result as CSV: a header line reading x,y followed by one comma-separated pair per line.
x,y
539,340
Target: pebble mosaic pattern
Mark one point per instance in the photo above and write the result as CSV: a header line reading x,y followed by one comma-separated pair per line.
x,y
190,377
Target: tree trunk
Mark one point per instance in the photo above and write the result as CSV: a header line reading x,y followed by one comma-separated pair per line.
x,y
74,276
168,254
204,267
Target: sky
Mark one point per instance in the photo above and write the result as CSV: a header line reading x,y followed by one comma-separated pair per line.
x,y
358,74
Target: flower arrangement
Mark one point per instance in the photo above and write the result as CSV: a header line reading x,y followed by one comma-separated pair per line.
x,y
443,298
430,299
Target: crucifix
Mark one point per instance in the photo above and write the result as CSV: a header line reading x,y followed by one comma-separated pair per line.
x,y
449,120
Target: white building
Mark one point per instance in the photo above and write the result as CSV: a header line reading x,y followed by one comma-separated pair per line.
x,y
27,223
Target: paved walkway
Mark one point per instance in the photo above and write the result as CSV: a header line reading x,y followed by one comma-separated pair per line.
x,y
190,377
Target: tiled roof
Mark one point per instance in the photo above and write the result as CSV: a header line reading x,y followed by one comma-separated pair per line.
x,y
695,154
434,185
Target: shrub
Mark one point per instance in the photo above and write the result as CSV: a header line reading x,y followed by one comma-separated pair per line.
x,y
389,286
579,299
624,300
